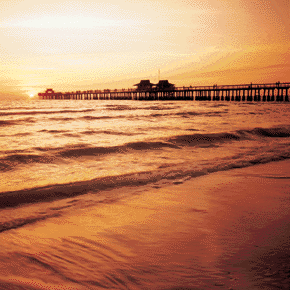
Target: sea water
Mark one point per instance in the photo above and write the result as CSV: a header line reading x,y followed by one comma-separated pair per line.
x,y
60,156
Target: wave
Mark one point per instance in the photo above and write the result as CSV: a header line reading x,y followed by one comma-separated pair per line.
x,y
23,134
77,151
55,155
20,222
119,107
4,123
186,114
62,119
10,161
44,112
7,123
172,172
199,140
276,132
189,114
53,131
28,158
72,135
107,132
91,118
99,117
161,107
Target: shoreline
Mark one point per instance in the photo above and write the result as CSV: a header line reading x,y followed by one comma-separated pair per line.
x,y
226,230
61,191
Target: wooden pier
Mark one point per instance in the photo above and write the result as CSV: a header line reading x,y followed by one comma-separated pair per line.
x,y
272,92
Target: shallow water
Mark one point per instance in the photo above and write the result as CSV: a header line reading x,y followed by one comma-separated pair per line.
x,y
56,142
86,190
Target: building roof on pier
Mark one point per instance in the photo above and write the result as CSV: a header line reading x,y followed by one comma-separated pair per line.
x,y
164,85
48,91
144,85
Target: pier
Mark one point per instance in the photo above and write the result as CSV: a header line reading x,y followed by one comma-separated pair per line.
x,y
270,92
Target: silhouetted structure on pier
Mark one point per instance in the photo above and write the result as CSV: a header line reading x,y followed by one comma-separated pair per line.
x,y
164,85
273,92
144,85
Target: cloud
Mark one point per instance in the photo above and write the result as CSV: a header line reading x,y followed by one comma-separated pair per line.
x,y
65,22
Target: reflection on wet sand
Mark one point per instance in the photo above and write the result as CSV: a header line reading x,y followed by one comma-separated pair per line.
x,y
226,230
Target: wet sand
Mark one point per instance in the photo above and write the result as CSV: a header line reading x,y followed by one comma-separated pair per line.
x,y
225,230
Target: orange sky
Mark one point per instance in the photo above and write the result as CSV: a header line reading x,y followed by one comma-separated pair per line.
x,y
82,45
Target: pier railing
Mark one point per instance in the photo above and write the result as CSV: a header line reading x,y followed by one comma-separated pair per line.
x,y
269,92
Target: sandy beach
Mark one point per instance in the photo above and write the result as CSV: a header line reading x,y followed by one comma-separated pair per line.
x,y
225,230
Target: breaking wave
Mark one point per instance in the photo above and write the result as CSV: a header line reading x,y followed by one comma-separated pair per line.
x,y
54,155
164,172
171,172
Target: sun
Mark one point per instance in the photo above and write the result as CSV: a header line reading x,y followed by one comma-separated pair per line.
x,y
31,95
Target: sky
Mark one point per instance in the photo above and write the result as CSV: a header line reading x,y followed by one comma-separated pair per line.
x,y
89,45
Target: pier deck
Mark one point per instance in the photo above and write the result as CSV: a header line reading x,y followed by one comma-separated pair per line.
x,y
271,92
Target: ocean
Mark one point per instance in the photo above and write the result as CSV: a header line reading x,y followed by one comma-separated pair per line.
x,y
65,158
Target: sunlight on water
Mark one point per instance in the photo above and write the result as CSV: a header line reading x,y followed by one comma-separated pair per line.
x,y
67,141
